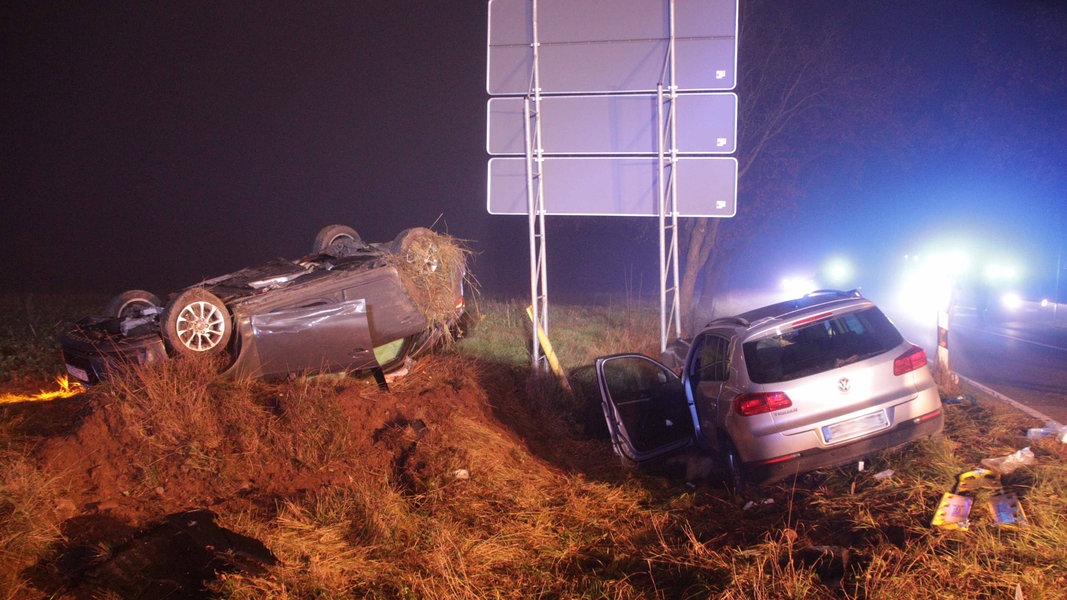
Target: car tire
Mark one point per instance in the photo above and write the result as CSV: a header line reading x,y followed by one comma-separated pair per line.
x,y
196,322
731,462
417,244
129,301
337,241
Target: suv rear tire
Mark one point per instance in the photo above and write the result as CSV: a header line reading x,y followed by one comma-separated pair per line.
x,y
731,462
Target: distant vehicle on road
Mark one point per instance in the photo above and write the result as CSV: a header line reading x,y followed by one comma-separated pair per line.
x,y
347,306
818,381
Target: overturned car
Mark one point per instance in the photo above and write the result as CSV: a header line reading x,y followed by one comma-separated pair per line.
x,y
347,306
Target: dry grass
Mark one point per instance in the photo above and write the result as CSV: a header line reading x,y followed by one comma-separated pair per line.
x,y
433,267
179,417
476,483
30,519
324,542
176,415
578,333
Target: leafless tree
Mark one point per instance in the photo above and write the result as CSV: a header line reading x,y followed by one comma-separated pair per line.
x,y
801,95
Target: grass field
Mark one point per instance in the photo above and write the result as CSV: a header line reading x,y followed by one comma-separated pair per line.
x,y
472,478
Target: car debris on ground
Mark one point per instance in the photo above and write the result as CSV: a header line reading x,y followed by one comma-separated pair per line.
x,y
984,483
1007,464
1051,429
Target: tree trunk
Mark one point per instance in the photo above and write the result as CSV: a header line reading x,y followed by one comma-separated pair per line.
x,y
698,252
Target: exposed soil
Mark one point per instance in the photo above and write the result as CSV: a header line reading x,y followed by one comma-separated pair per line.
x,y
125,539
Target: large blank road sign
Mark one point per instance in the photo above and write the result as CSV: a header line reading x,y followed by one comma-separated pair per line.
x,y
600,65
610,46
614,124
618,186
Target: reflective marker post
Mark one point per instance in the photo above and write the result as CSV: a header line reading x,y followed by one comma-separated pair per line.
x,y
945,376
550,354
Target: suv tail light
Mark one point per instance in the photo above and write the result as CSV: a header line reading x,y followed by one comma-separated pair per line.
x,y
914,358
747,405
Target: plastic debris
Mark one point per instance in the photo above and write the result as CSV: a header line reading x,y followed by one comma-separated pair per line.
x,y
883,475
1006,510
1007,464
978,479
753,503
953,512
461,474
1051,429
961,399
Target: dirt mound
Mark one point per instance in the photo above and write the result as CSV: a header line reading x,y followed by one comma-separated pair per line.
x,y
154,446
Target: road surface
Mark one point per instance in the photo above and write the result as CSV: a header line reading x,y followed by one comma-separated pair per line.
x,y
1020,356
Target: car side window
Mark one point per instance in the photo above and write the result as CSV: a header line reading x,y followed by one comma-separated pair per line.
x,y
711,360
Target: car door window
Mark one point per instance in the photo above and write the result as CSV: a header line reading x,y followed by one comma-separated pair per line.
x,y
645,405
708,370
711,359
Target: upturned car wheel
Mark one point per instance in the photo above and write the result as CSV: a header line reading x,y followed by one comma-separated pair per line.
x,y
418,246
197,322
128,303
337,241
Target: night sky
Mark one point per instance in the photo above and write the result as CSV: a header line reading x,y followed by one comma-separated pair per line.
x,y
150,145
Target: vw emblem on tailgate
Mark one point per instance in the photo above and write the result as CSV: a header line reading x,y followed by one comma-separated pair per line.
x,y
843,385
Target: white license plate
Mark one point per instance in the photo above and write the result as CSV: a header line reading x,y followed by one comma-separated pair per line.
x,y
854,428
77,373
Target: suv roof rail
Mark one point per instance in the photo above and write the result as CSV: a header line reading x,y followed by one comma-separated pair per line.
x,y
728,320
853,293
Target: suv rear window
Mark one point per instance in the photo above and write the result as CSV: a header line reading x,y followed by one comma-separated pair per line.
x,y
820,346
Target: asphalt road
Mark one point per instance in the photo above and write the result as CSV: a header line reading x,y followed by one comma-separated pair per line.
x,y
1022,355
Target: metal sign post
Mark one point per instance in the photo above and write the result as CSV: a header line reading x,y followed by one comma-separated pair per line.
x,y
535,197
668,199
584,120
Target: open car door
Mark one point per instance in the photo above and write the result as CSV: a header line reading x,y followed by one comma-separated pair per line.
x,y
645,406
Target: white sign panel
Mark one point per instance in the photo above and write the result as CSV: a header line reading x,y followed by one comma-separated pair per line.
x,y
610,46
600,64
618,186
614,124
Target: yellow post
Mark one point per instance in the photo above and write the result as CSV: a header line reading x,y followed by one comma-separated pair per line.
x,y
546,347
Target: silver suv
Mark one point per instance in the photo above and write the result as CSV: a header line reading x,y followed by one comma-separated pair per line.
x,y
815,382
